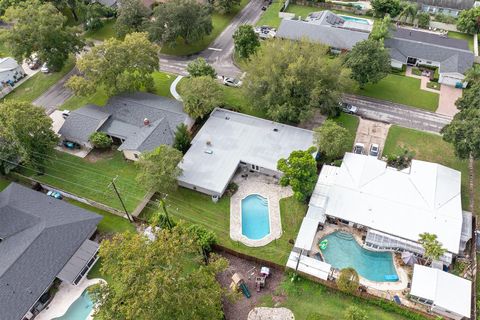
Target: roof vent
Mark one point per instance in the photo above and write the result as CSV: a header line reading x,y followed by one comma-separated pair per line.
x,y
209,143
227,118
146,122
275,129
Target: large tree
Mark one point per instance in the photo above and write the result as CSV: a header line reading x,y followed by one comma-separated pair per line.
x,y
348,280
469,21
117,66
409,12
26,135
185,20
289,80
433,248
383,7
131,17
158,169
246,41
381,29
225,6
161,279
369,61
40,28
200,67
200,96
331,139
300,172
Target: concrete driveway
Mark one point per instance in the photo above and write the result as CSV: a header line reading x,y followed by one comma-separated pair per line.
x,y
446,103
369,132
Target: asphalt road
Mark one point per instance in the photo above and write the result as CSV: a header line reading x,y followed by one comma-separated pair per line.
x,y
57,94
398,114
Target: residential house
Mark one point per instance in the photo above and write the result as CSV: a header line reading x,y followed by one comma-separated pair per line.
x,y
10,71
338,32
411,47
136,122
41,239
447,7
392,207
447,295
229,141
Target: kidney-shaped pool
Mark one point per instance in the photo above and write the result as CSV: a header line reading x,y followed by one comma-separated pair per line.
x,y
255,217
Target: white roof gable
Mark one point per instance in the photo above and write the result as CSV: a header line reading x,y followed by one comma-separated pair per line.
x,y
7,64
444,289
423,198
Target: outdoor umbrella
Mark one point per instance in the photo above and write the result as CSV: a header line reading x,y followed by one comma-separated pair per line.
x,y
409,258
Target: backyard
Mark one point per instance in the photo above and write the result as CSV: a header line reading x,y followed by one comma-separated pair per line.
x,y
429,147
401,89
105,32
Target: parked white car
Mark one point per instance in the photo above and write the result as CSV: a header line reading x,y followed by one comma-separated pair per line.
x,y
232,82
44,68
358,148
374,150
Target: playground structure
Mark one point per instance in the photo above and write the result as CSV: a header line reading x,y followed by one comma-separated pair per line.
x,y
238,283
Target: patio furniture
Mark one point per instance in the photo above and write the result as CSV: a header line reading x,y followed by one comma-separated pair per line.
x,y
259,283
397,300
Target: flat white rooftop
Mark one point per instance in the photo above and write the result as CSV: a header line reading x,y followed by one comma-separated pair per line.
x,y
229,137
422,198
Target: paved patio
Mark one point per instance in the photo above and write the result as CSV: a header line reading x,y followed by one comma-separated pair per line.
x,y
267,187
369,132
66,295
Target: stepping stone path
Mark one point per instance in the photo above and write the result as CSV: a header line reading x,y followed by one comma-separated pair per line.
x,y
263,313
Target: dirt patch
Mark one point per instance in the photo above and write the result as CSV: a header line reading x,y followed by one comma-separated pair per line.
x,y
316,120
100,154
239,309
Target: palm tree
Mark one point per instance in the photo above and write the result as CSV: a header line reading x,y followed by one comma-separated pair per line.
x,y
473,74
433,248
409,11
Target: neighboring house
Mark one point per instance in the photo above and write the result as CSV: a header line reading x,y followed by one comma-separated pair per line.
x,y
10,71
136,122
393,207
446,7
229,140
447,295
414,47
41,239
338,32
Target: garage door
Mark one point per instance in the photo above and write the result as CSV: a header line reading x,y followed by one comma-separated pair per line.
x,y
451,81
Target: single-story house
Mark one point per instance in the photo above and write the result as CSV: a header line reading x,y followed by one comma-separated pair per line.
x,y
41,239
338,32
446,7
136,122
448,295
229,140
10,71
411,47
393,207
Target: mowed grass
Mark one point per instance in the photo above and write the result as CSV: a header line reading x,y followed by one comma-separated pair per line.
x,y
462,36
219,22
34,87
429,147
107,31
401,89
162,88
270,16
194,207
350,123
3,183
307,299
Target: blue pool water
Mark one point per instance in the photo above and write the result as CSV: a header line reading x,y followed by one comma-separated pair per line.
x,y
80,309
357,20
255,217
343,251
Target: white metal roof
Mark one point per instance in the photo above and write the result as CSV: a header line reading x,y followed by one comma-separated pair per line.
x,y
445,289
8,64
423,198
229,137
309,265
307,233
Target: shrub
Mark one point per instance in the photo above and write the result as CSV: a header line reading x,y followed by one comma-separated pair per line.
x,y
400,161
205,238
182,138
423,19
100,140
231,189
348,281
355,313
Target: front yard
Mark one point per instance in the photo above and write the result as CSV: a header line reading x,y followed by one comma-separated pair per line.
x,y
429,147
401,89
350,123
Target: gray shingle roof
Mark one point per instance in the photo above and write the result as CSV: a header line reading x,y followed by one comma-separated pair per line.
x,y
453,4
39,235
452,55
327,34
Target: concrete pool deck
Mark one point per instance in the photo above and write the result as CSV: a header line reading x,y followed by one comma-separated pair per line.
x,y
266,187
66,295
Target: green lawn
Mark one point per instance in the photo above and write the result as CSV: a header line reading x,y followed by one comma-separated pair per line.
x,y
105,32
198,208
350,123
401,89
39,83
270,16
428,147
219,22
4,51
3,183
462,36
162,87
306,298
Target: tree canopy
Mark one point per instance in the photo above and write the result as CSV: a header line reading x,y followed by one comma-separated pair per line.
x,y
185,20
246,41
182,138
225,6
200,96
369,61
40,28
131,17
117,66
381,29
423,19
469,21
26,135
159,169
348,280
331,139
299,172
160,279
383,7
433,248
289,80
200,67
100,140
